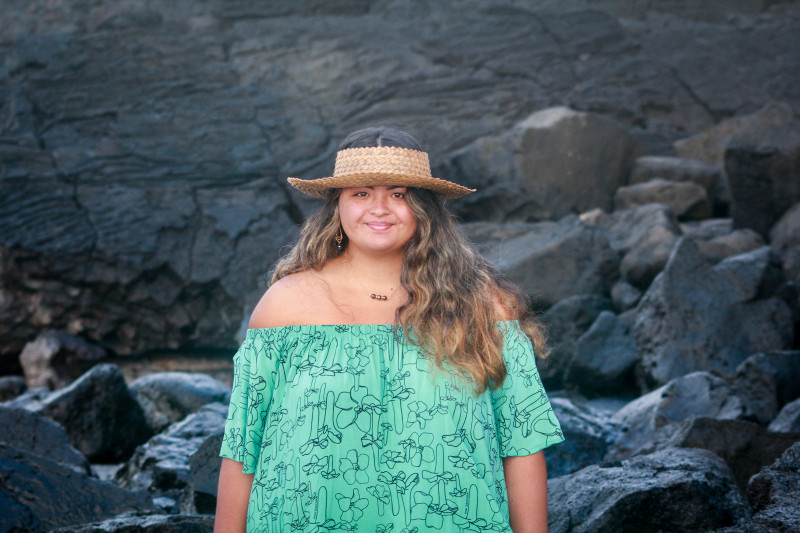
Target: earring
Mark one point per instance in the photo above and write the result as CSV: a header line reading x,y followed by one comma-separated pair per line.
x,y
338,239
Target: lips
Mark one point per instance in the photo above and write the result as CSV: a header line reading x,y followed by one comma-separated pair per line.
x,y
379,226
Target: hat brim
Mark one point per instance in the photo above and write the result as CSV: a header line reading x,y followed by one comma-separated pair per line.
x,y
322,187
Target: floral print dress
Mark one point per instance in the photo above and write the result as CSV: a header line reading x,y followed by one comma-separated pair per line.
x,y
351,428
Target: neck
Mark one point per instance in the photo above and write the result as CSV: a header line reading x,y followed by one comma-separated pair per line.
x,y
380,269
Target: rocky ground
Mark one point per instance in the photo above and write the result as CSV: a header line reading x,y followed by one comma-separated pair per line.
x,y
638,167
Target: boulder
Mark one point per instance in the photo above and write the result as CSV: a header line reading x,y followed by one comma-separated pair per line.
x,y
764,177
674,489
538,156
784,237
699,316
766,382
11,387
773,494
676,169
146,523
162,465
566,321
788,420
744,446
689,201
38,435
167,397
651,420
706,230
558,259
56,358
737,242
625,296
204,466
644,236
604,359
710,145
588,434
38,494
102,418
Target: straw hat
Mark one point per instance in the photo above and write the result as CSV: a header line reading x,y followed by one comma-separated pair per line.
x,y
381,165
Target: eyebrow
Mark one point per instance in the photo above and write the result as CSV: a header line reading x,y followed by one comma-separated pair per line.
x,y
388,187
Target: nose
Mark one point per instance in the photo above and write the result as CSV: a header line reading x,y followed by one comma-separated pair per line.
x,y
379,204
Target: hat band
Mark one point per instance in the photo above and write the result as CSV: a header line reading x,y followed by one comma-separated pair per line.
x,y
382,160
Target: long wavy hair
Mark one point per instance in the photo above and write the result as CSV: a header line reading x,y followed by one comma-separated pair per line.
x,y
455,295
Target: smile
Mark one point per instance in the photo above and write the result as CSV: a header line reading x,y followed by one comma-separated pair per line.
x,y
379,226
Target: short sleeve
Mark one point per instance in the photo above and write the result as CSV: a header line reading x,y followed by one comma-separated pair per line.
x,y
254,370
524,419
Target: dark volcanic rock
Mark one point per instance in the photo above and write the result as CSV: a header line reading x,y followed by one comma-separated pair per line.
x,y
675,489
556,260
745,447
604,359
37,494
766,382
11,387
38,435
689,201
788,420
651,420
677,169
204,466
773,494
566,321
102,418
168,397
680,329
145,523
162,464
764,178
588,436
784,237
56,358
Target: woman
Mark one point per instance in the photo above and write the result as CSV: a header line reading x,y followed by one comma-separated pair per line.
x,y
385,383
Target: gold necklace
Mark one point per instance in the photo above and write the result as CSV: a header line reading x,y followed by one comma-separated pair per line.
x,y
374,296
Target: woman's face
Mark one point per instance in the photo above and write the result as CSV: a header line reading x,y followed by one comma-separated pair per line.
x,y
376,219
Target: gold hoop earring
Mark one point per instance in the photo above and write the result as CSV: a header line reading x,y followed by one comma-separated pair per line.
x,y
339,237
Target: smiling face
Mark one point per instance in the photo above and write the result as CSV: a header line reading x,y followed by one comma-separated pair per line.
x,y
376,220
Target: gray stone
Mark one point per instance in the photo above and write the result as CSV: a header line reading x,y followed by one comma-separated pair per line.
x,y
764,177
162,464
103,420
696,316
676,169
653,419
788,418
167,397
587,433
204,466
645,236
773,494
766,382
737,242
625,296
11,387
40,436
671,490
56,358
706,230
38,494
146,523
604,359
784,237
566,321
710,145
687,200
744,446
556,260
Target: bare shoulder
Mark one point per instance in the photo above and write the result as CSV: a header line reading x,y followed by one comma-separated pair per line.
x,y
287,301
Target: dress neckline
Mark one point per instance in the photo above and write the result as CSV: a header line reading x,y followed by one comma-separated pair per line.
x,y
304,326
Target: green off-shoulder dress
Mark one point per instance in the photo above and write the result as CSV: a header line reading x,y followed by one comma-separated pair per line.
x,y
351,428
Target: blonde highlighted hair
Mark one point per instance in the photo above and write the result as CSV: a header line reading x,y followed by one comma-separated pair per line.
x,y
456,297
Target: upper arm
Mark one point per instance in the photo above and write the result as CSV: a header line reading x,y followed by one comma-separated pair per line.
x,y
233,497
526,485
